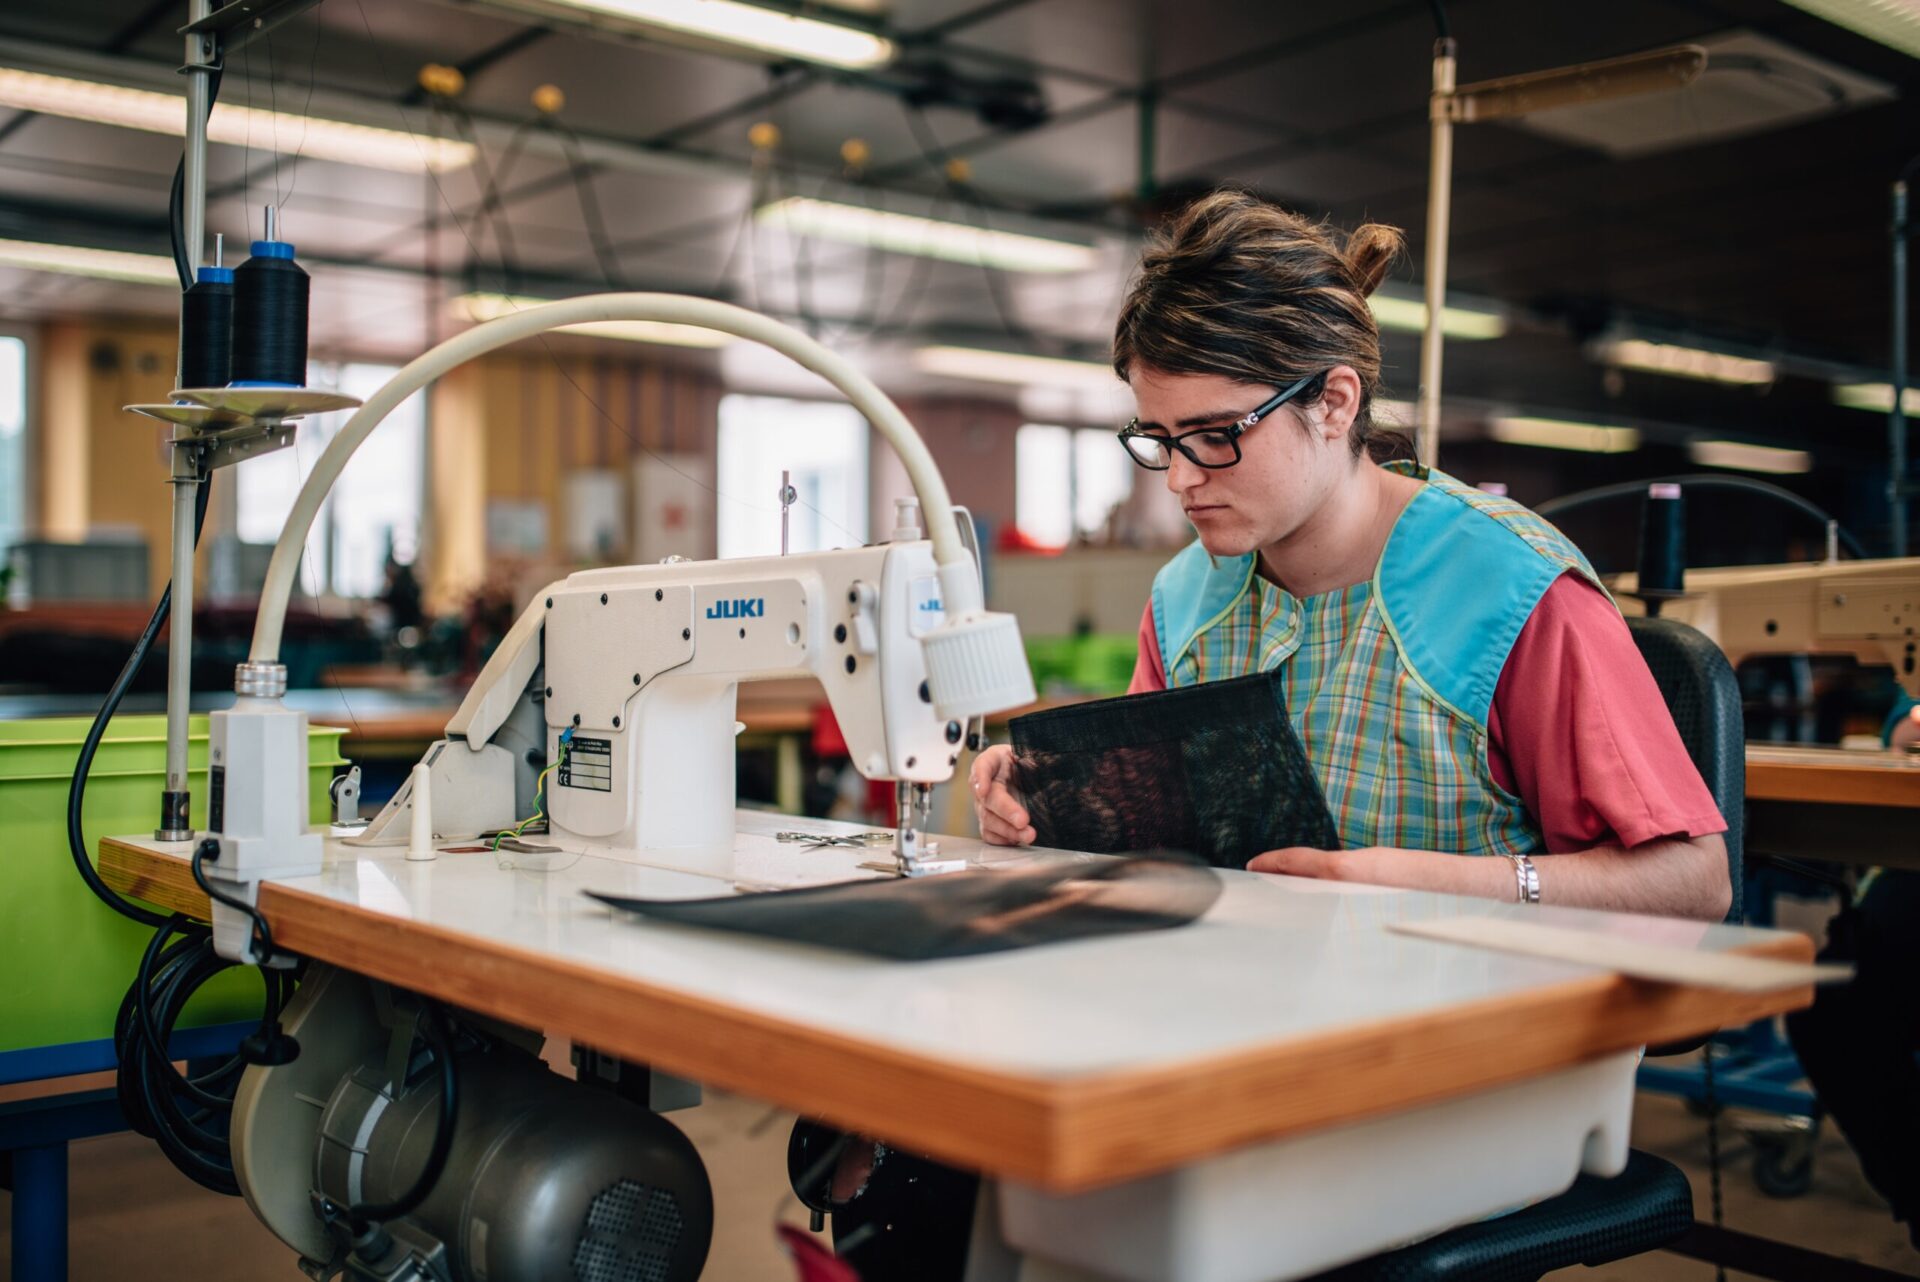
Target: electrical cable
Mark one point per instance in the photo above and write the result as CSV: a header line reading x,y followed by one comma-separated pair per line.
x,y
930,150
187,1116
176,197
582,175
83,765
539,794
1442,29
1704,481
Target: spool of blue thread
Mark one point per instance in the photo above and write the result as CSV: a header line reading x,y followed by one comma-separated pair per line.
x,y
206,327
270,294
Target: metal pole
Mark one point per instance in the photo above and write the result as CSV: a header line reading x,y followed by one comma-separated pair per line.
x,y
176,801
1439,205
1897,413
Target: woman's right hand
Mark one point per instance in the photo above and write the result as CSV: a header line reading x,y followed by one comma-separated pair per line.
x,y
1003,820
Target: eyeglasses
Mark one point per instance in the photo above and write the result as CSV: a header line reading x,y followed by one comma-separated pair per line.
x,y
1210,447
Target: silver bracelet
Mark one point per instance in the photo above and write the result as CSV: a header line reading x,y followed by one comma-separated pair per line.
x,y
1526,880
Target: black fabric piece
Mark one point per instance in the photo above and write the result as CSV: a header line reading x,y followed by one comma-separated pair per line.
x,y
1858,1040
1598,1220
958,914
1213,769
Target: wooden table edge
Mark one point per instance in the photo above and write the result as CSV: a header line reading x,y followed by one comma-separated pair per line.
x,y
1836,784
1064,1134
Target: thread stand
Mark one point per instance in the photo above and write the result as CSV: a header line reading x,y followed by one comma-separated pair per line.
x,y
236,423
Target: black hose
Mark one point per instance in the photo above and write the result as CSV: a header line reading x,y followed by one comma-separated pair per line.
x,y
1442,29
1704,481
77,790
189,1117
177,198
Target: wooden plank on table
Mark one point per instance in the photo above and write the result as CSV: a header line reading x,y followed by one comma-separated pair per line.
x,y
1063,1134
1642,959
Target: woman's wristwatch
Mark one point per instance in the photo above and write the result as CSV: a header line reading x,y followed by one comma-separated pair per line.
x,y
1526,880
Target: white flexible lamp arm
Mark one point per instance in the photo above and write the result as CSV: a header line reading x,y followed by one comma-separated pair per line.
x,y
959,583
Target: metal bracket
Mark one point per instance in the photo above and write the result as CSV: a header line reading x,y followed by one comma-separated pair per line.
x,y
242,21
236,445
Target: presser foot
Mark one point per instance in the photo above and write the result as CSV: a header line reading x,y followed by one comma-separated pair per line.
x,y
915,857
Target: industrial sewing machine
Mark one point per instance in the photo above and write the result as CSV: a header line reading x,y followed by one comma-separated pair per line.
x,y
626,679
1869,609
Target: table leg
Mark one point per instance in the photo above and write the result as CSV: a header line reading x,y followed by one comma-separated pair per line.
x,y
40,1213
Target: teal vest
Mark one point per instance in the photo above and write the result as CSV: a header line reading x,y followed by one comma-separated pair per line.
x,y
1389,682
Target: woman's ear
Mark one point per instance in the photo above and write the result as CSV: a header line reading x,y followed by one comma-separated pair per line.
x,y
1339,403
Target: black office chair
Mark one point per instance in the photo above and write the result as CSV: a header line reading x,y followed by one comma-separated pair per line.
x,y
1650,1204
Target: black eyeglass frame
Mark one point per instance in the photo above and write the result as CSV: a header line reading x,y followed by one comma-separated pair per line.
x,y
1233,431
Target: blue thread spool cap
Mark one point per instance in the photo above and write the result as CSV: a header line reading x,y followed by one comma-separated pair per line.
x,y
272,249
215,276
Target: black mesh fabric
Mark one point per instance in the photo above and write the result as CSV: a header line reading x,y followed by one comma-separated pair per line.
x,y
962,913
1213,769
1645,1207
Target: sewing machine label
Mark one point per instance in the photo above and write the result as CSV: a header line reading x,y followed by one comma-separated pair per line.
x,y
928,612
589,764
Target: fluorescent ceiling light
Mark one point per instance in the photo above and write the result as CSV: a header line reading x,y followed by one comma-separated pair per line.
x,y
927,237
104,264
1876,396
789,35
1894,23
235,125
486,307
1686,362
1749,458
986,366
1410,314
1560,434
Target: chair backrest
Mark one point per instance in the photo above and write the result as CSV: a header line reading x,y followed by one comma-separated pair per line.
x,y
1704,697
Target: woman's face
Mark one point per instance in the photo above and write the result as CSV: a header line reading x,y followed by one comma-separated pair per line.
x,y
1289,462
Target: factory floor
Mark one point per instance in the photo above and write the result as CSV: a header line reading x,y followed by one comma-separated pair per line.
x,y
128,1204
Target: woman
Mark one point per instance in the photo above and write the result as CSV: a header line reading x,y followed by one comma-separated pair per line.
x,y
1460,681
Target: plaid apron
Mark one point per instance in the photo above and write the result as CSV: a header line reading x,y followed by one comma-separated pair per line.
x,y
1388,682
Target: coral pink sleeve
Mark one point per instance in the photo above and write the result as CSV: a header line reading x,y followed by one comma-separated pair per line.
x,y
1148,673
1580,733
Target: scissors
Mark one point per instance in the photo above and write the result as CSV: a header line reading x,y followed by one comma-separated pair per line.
x,y
824,841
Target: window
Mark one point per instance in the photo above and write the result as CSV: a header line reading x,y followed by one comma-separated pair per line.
x,y
1066,481
822,444
13,440
375,507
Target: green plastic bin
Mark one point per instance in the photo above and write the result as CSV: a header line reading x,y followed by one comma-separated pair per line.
x,y
68,958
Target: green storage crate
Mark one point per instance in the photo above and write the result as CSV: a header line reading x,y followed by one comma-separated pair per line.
x,y
67,957
1051,659
1103,663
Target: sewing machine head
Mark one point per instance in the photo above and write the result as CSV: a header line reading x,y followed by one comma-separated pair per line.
x,y
1869,609
627,677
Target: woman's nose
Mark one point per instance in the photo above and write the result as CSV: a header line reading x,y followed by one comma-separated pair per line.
x,y
1183,475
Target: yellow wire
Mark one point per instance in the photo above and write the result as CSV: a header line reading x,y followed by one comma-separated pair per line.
x,y
539,810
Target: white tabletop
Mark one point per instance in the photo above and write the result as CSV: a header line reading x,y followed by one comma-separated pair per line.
x,y
1287,1007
